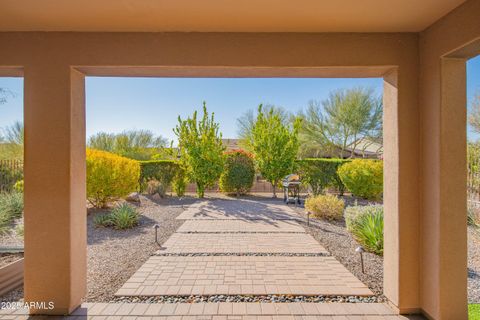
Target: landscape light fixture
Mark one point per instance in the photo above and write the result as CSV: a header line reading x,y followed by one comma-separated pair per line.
x,y
156,226
361,251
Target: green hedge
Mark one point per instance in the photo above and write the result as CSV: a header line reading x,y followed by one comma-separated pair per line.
x,y
163,171
321,173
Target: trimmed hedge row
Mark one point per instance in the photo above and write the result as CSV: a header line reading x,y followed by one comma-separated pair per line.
x,y
321,173
166,172
161,170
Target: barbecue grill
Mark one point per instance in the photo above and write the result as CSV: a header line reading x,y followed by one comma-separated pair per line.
x,y
291,189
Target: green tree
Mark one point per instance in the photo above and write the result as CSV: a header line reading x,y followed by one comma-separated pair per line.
x,y
4,94
474,112
347,118
246,122
12,138
275,145
201,149
134,144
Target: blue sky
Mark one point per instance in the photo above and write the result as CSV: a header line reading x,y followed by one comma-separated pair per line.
x,y
117,104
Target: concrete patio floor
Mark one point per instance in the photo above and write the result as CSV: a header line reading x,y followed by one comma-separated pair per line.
x,y
226,311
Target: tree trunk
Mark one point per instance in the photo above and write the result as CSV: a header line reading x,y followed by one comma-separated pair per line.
x,y
200,191
274,185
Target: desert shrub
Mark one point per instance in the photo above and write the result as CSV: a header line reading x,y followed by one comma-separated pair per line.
x,y
102,220
10,174
238,172
473,216
365,223
163,171
11,207
321,173
363,178
325,206
20,230
19,186
110,177
180,181
123,216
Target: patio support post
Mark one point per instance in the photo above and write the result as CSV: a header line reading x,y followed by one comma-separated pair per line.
x,y
401,200
55,214
443,223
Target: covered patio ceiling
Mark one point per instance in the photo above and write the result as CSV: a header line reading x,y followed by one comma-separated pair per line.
x,y
224,15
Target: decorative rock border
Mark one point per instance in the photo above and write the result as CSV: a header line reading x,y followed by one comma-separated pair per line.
x,y
249,298
242,232
258,254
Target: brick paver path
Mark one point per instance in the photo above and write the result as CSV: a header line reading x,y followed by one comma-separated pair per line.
x,y
225,311
241,243
241,226
258,275
238,209
219,228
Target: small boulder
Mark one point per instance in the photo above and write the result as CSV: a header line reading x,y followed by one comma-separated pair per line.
x,y
133,197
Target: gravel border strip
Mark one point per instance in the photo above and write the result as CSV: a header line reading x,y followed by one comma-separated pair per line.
x,y
241,232
244,254
244,219
249,298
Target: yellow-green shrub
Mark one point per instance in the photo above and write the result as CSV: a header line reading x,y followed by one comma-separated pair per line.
x,y
325,206
19,186
110,177
363,178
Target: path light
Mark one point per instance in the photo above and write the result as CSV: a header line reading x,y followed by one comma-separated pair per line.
x,y
308,218
156,234
361,251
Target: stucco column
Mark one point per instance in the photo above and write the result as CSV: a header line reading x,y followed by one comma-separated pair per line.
x,y
443,223
401,192
55,213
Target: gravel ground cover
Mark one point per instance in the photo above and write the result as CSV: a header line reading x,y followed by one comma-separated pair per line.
x,y
114,255
334,237
473,265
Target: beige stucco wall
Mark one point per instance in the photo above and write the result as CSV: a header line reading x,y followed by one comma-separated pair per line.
x,y
417,256
444,48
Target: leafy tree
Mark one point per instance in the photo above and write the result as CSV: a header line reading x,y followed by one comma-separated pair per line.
x,y
275,145
12,141
4,94
347,118
134,144
201,149
474,113
247,121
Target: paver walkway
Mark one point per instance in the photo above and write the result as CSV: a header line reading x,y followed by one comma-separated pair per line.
x,y
238,210
242,243
267,226
209,260
246,275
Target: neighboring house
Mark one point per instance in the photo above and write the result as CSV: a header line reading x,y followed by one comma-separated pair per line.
x,y
231,144
366,148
